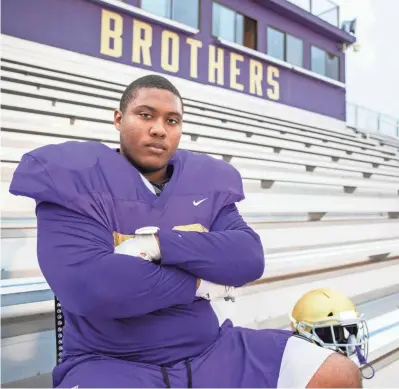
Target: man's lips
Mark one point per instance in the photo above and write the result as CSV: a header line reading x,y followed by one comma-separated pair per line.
x,y
157,148
156,145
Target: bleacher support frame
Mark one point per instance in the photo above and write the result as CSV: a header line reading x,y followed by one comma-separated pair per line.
x,y
59,326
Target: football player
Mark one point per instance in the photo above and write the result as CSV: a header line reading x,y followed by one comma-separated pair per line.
x,y
137,241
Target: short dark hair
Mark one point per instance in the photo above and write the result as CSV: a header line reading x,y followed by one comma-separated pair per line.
x,y
150,81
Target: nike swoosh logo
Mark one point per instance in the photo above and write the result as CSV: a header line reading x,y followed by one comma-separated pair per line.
x,y
196,203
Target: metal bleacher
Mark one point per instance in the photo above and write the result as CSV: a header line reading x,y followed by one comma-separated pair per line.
x,y
288,169
325,202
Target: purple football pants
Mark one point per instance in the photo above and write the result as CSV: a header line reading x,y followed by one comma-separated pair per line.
x,y
240,357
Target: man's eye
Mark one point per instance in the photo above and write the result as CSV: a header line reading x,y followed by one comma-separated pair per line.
x,y
145,115
172,121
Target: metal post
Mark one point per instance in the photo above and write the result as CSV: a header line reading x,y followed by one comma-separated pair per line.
x,y
356,116
379,122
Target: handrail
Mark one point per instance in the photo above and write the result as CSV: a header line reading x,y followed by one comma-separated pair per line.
x,y
326,10
366,119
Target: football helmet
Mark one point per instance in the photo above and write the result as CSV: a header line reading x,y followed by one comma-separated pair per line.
x,y
330,319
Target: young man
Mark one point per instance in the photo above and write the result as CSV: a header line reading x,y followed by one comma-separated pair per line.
x,y
135,243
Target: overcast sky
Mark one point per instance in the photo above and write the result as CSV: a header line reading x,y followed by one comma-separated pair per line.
x,y
373,72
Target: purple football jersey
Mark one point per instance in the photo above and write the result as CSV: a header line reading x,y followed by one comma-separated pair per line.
x,y
89,198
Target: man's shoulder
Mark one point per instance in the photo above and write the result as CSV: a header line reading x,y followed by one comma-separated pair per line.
x,y
207,164
71,153
59,173
205,174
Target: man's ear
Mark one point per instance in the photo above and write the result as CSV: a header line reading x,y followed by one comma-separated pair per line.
x,y
117,119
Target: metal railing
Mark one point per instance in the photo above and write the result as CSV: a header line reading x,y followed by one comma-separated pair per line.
x,y
368,120
323,9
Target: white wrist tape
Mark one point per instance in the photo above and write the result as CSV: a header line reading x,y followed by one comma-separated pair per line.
x,y
144,244
210,291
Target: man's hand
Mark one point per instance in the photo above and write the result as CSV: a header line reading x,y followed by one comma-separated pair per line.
x,y
144,244
210,291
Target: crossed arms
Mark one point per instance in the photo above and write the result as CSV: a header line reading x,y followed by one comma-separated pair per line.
x,y
76,255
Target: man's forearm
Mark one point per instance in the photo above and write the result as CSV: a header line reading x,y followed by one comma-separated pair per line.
x,y
233,257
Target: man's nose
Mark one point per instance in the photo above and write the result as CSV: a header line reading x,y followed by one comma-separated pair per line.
x,y
158,129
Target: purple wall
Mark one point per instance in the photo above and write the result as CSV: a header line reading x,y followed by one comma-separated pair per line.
x,y
76,25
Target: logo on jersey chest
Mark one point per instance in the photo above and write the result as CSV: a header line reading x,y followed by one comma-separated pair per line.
x,y
196,203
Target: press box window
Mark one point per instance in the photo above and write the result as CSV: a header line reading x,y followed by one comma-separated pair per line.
x,y
284,46
325,63
233,26
183,11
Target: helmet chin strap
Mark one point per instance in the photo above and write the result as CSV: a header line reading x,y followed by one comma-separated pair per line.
x,y
360,357
363,361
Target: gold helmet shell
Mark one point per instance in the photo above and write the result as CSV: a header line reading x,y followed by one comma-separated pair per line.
x,y
322,304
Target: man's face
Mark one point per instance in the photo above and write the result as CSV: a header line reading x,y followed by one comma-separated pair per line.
x,y
150,128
